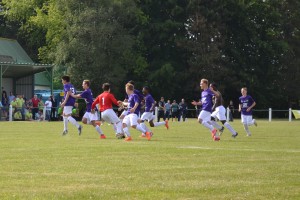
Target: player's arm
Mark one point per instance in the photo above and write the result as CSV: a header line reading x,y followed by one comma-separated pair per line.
x,y
96,101
75,95
216,93
250,107
196,103
134,107
114,100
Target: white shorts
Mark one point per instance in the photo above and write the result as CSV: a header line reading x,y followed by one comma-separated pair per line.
x,y
90,116
246,119
204,115
124,113
110,116
131,119
219,113
67,110
147,116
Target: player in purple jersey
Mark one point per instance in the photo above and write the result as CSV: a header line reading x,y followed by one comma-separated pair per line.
x,y
207,104
245,107
89,117
148,114
68,104
131,119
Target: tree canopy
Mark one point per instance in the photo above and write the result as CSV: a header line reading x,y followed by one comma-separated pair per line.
x,y
168,45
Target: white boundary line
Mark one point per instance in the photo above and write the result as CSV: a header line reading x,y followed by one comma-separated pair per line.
x,y
230,149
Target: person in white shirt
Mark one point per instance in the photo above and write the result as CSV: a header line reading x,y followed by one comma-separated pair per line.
x,y
48,105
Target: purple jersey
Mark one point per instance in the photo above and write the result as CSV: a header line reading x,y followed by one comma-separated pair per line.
x,y
245,103
206,99
71,100
149,101
88,96
133,98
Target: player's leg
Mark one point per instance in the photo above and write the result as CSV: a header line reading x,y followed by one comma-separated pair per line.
x,y
93,117
145,117
245,119
213,122
204,118
125,124
111,117
134,124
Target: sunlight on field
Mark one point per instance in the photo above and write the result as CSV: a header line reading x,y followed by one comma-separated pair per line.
x,y
180,163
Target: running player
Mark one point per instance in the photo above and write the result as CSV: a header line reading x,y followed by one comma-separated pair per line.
x,y
207,103
89,117
245,107
148,114
219,113
105,101
68,105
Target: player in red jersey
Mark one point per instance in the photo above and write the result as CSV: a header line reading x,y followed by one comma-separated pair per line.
x,y
106,101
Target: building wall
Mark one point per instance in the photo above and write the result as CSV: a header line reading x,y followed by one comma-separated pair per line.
x,y
25,86
7,84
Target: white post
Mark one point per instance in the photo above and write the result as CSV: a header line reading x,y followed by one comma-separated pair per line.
x,y
270,114
10,113
44,113
227,117
290,114
156,113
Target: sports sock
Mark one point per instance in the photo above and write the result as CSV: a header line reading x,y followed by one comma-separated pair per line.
x,y
65,123
229,127
207,125
216,125
143,125
247,129
141,129
159,123
98,129
126,131
73,121
119,127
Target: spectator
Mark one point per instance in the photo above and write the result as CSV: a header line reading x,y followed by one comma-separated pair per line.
x,y
4,102
48,105
53,108
168,109
161,109
39,115
18,116
28,115
11,97
182,110
231,110
174,110
35,106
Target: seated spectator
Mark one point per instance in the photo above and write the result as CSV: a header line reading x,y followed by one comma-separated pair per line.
x,y
28,115
18,116
39,115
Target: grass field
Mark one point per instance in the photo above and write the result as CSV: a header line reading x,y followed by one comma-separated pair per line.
x,y
181,163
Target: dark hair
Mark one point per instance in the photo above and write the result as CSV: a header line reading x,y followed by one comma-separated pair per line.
x,y
147,88
131,82
106,86
66,78
87,82
214,85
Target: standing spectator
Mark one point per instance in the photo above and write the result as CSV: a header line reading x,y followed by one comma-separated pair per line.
x,y
35,106
231,110
245,107
183,110
53,107
175,110
4,102
161,109
48,105
168,109
11,97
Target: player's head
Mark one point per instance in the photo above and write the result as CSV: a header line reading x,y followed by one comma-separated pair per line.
x,y
214,86
131,82
244,91
65,79
204,83
86,84
106,87
129,88
145,90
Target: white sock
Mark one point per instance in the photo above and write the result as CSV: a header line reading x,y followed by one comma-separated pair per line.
x,y
98,129
207,125
126,131
141,129
229,127
247,129
216,125
73,121
119,127
65,123
159,123
115,128
143,125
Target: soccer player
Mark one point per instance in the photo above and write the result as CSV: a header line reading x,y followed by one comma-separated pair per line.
x,y
219,113
68,105
207,103
105,101
148,114
131,119
245,107
89,117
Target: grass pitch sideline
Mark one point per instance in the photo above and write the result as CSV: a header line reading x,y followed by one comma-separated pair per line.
x,y
181,163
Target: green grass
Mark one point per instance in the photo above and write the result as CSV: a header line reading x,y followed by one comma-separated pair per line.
x,y
36,162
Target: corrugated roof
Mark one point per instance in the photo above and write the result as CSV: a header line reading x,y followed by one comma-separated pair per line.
x,y
11,51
